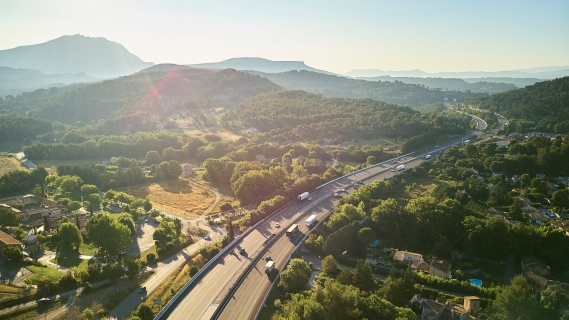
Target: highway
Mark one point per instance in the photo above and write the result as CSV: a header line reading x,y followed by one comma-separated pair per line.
x,y
202,301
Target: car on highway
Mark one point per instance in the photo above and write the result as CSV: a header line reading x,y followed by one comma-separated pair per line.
x,y
207,237
43,300
277,225
309,198
242,251
268,258
343,190
142,290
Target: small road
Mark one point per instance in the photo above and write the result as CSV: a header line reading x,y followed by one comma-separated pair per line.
x,y
212,205
33,303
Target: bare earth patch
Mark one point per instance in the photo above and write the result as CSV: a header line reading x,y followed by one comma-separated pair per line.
x,y
10,164
174,196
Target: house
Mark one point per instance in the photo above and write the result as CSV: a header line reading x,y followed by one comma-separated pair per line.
x,y
524,200
562,225
261,157
407,257
435,310
30,239
536,217
496,211
440,268
420,266
187,169
35,208
8,240
528,208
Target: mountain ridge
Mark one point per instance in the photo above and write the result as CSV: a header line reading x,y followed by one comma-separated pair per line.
x,y
95,56
258,64
542,73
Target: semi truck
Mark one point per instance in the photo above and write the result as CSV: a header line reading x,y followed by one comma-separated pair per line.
x,y
269,267
400,167
292,230
302,196
311,221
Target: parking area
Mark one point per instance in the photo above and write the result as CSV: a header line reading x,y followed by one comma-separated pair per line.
x,y
143,238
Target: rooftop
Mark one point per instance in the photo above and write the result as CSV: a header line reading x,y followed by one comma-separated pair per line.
x,y
8,239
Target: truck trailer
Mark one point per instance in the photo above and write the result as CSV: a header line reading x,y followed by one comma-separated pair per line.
x,y
292,230
311,220
269,267
302,196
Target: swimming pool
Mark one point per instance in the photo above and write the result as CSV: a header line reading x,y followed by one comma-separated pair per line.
x,y
475,282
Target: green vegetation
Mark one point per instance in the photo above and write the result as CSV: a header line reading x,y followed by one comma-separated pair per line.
x,y
541,107
42,273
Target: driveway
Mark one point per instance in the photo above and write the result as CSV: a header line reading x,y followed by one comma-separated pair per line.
x,y
143,237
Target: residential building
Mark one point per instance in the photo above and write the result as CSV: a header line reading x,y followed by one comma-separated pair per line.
x,y
440,268
562,225
8,240
30,239
435,310
407,257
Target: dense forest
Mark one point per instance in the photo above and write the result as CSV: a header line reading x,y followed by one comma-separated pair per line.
x,y
157,92
312,116
451,84
396,92
544,105
14,129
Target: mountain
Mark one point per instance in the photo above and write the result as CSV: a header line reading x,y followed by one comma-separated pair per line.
x,y
15,81
258,64
543,106
540,73
451,84
97,57
154,93
341,87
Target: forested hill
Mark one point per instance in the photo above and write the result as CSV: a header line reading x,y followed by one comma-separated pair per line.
x,y
397,92
310,116
452,84
544,104
156,93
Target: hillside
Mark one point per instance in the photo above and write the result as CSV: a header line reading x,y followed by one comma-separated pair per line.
x,y
258,64
540,73
450,84
310,116
544,104
97,57
156,93
336,86
15,81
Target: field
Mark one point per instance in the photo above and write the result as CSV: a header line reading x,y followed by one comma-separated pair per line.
x,y
9,164
43,272
74,263
174,196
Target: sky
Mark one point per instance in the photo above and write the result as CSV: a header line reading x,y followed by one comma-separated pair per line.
x,y
336,36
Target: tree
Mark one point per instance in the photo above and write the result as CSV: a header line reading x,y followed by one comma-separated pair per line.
x,y
553,301
13,253
178,226
516,212
560,198
516,301
132,266
77,222
9,217
38,191
314,243
329,265
363,277
46,224
108,235
398,290
371,160
366,236
525,180
296,275
69,235
230,232
126,219
88,314
153,157
89,189
345,276
470,150
73,206
144,311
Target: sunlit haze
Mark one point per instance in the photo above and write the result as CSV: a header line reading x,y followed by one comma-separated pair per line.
x,y
337,36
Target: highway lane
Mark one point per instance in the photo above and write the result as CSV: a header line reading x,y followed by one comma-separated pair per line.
x,y
248,298
200,304
251,293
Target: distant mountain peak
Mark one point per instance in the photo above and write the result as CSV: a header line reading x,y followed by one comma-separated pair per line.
x,y
95,56
258,64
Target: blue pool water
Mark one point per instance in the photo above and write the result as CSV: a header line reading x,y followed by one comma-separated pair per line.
x,y
475,282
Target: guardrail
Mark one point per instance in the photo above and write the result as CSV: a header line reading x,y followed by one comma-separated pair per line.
x,y
163,314
259,256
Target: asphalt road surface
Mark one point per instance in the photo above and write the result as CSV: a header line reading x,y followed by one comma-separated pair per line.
x,y
203,300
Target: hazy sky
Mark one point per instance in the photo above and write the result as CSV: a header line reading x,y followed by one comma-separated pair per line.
x,y
332,35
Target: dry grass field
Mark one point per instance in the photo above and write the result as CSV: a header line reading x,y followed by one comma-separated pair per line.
x,y
9,164
174,196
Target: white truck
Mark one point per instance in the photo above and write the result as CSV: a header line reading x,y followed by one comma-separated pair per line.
x,y
302,196
311,220
269,267
400,167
